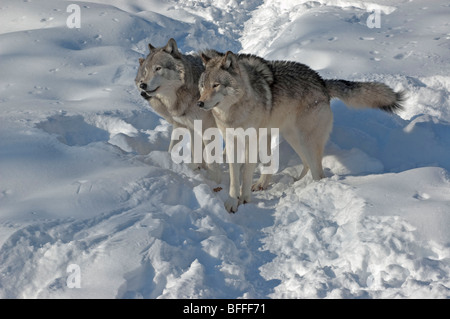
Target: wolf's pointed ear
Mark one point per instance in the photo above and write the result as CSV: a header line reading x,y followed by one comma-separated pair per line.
x,y
205,58
141,61
172,48
151,47
229,60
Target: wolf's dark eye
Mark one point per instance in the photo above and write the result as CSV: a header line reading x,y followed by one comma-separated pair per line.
x,y
158,68
216,85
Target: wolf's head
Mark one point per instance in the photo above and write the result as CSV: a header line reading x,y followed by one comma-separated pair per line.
x,y
221,85
161,72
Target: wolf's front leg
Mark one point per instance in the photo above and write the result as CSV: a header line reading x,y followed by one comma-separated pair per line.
x,y
175,125
214,173
196,154
211,165
247,180
232,203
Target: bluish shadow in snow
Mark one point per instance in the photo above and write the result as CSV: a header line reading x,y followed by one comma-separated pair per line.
x,y
399,144
73,130
138,283
138,133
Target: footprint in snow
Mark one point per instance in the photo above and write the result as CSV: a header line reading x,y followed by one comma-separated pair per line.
x,y
421,196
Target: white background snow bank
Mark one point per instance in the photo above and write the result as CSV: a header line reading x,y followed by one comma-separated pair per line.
x,y
85,178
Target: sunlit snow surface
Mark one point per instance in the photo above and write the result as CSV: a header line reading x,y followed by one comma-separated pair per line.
x,y
86,180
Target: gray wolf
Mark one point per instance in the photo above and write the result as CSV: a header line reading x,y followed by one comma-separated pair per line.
x,y
168,80
247,91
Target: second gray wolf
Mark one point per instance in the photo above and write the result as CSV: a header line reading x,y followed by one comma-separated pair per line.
x,y
248,91
168,80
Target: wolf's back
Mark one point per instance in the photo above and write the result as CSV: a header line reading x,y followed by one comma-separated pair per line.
x,y
366,95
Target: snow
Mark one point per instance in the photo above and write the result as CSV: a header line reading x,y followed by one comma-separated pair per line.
x,y
86,180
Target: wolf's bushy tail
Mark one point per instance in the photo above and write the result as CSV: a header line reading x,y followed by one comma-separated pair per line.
x,y
366,95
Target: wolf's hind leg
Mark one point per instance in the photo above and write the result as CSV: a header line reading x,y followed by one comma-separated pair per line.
x,y
308,153
304,171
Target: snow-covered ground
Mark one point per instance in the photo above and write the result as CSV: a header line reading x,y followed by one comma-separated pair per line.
x,y
89,196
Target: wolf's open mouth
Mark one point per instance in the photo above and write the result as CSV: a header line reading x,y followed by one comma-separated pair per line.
x,y
145,95
152,91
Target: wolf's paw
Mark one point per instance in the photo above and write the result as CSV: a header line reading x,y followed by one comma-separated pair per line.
x,y
231,204
244,199
262,183
258,187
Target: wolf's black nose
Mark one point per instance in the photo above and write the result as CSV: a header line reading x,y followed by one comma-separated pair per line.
x,y
143,86
201,104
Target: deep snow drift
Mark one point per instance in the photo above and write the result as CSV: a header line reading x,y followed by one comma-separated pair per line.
x,y
86,180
